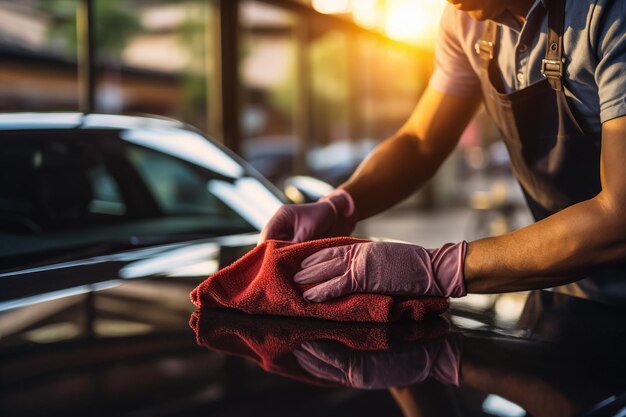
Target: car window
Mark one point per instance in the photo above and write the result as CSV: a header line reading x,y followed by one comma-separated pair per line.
x,y
69,190
175,185
54,184
107,198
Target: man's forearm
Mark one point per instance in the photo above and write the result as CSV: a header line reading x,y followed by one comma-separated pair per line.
x,y
397,168
549,253
404,162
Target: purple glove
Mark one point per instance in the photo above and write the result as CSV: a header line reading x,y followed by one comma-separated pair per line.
x,y
384,268
333,215
438,358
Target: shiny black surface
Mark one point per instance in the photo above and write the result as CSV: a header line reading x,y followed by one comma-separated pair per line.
x,y
110,335
108,329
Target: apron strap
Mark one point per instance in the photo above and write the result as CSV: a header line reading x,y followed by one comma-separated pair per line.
x,y
487,49
552,64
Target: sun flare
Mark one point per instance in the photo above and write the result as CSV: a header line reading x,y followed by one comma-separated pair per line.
x,y
413,21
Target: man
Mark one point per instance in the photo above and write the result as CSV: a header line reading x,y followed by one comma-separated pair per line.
x,y
551,74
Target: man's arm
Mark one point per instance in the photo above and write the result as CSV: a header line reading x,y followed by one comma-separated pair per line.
x,y
405,161
581,236
395,169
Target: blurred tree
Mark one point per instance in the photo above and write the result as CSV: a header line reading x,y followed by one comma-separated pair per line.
x,y
115,24
328,57
283,96
193,37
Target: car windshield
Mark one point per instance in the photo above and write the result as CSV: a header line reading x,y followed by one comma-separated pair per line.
x,y
66,190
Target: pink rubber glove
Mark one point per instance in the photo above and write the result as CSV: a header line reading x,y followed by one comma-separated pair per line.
x,y
384,268
437,358
333,215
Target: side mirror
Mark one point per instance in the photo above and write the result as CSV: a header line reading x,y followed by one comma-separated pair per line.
x,y
303,189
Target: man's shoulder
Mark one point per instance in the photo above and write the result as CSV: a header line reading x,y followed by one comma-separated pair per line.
x,y
460,29
456,67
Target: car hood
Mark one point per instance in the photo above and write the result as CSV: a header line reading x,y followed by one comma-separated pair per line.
x,y
111,335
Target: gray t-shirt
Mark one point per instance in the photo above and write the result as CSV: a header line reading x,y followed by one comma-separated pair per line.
x,y
594,50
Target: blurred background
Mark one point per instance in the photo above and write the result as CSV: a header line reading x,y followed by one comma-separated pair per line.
x,y
296,87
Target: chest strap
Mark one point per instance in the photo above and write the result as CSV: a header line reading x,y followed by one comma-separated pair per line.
x,y
553,62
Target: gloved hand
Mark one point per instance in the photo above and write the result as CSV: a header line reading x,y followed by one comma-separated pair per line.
x,y
333,215
437,358
384,268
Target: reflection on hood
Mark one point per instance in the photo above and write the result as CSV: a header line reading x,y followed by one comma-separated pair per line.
x,y
319,352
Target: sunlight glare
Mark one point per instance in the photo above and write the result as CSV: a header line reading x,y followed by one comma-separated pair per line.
x,y
414,20
332,6
367,13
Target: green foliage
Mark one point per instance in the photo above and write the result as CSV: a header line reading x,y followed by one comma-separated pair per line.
x,y
283,97
114,24
330,75
191,34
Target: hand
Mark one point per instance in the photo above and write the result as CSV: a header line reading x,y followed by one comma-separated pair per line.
x,y
384,268
334,215
330,361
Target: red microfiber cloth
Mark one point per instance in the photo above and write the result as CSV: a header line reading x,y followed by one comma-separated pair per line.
x,y
261,282
270,341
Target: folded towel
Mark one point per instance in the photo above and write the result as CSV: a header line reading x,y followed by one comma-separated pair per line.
x,y
272,341
261,282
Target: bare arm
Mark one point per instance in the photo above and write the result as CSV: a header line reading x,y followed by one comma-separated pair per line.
x,y
546,253
409,158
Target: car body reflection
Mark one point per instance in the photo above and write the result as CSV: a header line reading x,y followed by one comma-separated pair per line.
x,y
537,357
367,356
127,349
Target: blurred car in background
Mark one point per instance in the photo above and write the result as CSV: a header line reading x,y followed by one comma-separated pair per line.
x,y
334,163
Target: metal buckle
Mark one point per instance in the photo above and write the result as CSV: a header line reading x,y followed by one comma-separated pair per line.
x,y
552,67
484,46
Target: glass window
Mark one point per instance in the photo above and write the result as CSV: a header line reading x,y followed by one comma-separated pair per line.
x,y
106,194
65,191
177,188
55,184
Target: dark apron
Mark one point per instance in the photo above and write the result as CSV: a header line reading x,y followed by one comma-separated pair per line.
x,y
556,161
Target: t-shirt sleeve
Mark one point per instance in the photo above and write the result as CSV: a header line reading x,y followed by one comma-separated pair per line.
x,y
611,52
453,73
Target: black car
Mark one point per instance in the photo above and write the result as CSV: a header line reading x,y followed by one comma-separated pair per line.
x,y
70,183
95,316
